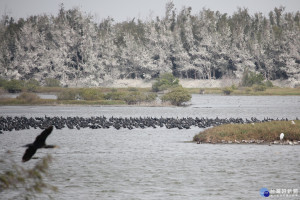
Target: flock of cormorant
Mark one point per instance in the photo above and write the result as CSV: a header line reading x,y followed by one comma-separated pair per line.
x,y
9,123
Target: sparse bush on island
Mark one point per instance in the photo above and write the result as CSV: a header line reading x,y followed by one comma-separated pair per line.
x,y
28,97
32,85
227,90
234,87
51,82
91,94
2,82
269,84
257,88
164,82
131,97
67,94
177,96
132,89
250,78
14,86
150,97
114,95
134,97
256,81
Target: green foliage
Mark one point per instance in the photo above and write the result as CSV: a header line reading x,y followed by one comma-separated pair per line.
x,y
25,182
165,82
67,94
132,89
14,86
269,84
28,97
177,96
151,97
233,87
2,82
250,78
134,97
32,85
91,94
114,95
259,87
227,90
51,82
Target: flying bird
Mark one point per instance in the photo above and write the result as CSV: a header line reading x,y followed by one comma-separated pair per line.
x,y
37,144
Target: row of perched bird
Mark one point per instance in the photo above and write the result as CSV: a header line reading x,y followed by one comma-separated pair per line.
x,y
20,123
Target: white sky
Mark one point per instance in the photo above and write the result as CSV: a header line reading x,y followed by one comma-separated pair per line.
x,y
121,10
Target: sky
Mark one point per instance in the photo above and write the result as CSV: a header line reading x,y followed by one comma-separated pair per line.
x,y
123,10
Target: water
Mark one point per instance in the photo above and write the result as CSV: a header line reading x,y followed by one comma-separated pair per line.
x,y
161,163
41,95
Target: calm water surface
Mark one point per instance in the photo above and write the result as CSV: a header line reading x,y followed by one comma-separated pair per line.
x,y
160,163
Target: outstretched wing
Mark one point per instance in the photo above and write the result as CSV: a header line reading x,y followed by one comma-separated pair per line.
x,y
40,139
30,151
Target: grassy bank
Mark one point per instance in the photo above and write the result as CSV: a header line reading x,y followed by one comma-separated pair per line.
x,y
264,132
249,91
15,101
121,96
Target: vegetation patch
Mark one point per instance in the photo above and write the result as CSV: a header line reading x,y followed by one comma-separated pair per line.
x,y
164,82
83,102
177,96
29,97
266,132
26,183
247,91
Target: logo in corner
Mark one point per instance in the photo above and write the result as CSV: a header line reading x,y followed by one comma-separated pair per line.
x,y
264,192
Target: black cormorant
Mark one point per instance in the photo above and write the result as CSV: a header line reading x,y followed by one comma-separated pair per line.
x,y
38,143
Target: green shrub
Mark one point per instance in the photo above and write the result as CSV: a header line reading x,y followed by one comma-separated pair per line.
x,y
28,97
269,84
250,78
114,95
234,87
259,87
32,85
51,82
67,95
3,82
134,97
132,89
151,97
14,86
227,90
91,94
177,96
164,82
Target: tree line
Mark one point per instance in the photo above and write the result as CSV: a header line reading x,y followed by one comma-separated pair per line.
x,y
73,49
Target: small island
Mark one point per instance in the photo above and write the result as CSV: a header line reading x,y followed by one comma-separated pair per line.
x,y
255,133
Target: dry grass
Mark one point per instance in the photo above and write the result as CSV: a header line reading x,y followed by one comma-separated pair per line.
x,y
23,102
15,101
96,102
249,91
267,131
